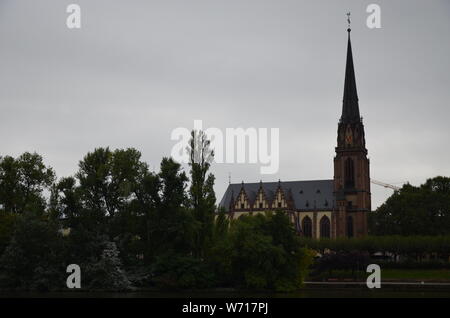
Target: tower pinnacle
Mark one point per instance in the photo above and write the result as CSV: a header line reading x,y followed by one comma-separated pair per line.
x,y
350,107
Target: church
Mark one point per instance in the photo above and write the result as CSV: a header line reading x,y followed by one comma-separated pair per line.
x,y
331,208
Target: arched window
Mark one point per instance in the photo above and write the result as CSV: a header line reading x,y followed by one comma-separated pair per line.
x,y
349,226
307,226
349,173
325,227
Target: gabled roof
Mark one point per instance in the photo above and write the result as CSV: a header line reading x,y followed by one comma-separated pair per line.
x,y
306,195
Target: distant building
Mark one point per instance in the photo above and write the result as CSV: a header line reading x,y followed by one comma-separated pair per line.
x,y
320,208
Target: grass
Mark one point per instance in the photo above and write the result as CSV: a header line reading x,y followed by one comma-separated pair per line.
x,y
416,274
436,275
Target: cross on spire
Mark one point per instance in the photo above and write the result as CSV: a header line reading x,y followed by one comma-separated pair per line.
x,y
348,20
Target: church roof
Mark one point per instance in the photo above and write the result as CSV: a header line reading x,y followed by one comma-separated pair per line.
x,y
306,195
350,107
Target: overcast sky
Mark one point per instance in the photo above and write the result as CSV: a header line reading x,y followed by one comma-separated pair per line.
x,y
138,69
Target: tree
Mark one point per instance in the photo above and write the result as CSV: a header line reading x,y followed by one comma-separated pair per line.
x,y
7,227
23,181
34,258
107,272
173,226
182,271
114,210
202,196
423,210
221,225
106,195
147,204
254,255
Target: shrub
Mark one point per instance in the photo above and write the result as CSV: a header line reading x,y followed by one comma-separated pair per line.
x,y
175,272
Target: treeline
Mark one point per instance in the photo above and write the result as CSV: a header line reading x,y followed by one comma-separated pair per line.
x,y
127,226
394,252
413,247
411,211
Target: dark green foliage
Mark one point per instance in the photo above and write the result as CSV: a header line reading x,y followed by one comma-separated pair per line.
x,y
414,264
201,193
423,210
34,257
407,245
173,225
390,251
124,225
402,252
83,247
353,261
7,226
261,252
175,272
22,182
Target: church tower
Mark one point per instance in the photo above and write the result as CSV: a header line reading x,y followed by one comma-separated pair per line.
x,y
351,165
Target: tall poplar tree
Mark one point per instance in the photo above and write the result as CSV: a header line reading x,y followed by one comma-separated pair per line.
x,y
201,192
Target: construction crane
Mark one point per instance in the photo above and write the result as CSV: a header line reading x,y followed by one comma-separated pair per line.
x,y
386,185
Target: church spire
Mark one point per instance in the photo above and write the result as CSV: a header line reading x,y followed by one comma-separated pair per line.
x,y
350,108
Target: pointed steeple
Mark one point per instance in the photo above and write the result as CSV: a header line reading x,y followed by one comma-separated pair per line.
x,y
350,107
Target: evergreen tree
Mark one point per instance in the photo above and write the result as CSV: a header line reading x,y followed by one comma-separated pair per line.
x,y
107,272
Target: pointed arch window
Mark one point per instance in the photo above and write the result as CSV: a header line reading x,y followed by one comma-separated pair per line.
x,y
307,226
349,173
349,226
325,227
